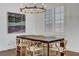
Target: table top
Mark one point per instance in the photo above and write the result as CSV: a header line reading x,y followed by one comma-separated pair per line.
x,y
46,39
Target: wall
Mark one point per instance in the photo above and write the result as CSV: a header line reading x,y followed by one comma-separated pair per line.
x,y
72,26
33,26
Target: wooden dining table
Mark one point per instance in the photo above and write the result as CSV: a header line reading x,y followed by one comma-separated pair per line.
x,y
43,39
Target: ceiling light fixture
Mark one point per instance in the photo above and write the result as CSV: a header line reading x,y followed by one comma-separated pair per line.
x,y
32,9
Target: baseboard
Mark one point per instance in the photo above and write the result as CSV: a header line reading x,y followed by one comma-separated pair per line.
x,y
8,49
73,51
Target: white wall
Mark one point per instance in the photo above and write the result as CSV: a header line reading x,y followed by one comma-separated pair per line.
x,y
72,26
6,40
33,26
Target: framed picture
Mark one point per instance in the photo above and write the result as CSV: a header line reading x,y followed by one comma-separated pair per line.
x,y
16,23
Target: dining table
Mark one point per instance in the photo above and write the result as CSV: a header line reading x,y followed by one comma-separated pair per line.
x,y
43,39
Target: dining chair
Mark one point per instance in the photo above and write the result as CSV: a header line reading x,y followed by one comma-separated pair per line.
x,y
34,48
23,44
56,47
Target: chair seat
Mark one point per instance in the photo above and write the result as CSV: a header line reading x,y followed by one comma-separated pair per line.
x,y
34,49
55,49
60,49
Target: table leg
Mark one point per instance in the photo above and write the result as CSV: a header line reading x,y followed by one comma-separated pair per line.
x,y
47,49
62,45
18,48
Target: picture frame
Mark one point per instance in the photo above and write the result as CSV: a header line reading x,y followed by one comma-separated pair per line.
x,y
16,22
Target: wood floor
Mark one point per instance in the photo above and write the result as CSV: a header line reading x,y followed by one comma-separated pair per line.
x,y
12,52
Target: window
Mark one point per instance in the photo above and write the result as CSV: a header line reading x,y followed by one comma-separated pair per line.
x,y
54,21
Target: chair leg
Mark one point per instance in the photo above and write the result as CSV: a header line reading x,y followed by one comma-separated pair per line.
x,y
65,53
57,53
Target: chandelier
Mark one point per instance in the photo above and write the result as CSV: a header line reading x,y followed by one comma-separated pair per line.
x,y
34,8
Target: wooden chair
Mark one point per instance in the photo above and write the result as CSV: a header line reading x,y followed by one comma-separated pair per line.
x,y
23,44
56,47
34,49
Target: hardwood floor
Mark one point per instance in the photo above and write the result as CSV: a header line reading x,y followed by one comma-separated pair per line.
x,y
12,52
